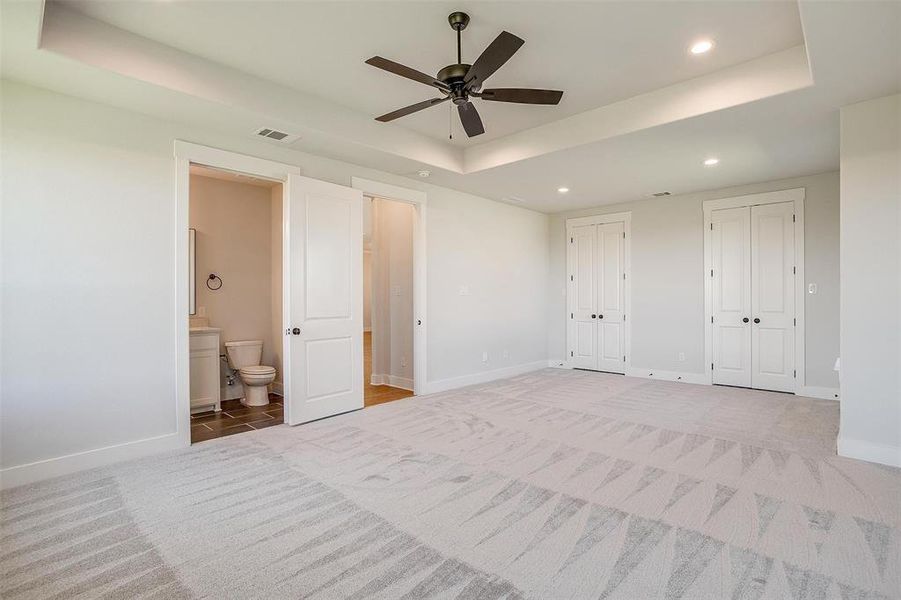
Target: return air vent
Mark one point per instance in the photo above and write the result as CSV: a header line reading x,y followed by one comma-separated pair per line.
x,y
659,194
276,135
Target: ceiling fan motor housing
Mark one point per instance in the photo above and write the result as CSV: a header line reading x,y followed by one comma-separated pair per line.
x,y
458,20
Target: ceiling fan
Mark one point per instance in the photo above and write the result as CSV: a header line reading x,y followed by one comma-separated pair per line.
x,y
460,81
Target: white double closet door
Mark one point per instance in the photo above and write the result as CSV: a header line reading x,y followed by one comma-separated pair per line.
x,y
753,301
596,332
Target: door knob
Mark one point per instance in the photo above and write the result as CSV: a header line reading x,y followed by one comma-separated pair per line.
x,y
600,316
295,331
756,320
745,320
594,316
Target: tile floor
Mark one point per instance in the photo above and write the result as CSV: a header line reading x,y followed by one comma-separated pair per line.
x,y
236,418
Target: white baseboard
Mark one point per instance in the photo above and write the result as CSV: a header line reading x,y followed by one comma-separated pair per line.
x,y
667,375
89,459
558,364
404,383
824,393
876,453
442,385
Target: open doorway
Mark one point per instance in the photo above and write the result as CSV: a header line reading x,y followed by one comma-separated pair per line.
x,y
388,305
235,337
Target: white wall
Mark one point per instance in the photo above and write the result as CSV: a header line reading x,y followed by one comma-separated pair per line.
x,y
273,356
88,258
871,281
392,292
668,277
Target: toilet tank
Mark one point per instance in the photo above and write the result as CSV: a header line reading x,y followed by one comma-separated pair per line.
x,y
246,353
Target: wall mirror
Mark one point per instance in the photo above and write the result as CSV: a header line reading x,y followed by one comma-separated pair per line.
x,y
192,272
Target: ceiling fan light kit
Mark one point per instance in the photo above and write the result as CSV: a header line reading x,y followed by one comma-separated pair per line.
x,y
461,81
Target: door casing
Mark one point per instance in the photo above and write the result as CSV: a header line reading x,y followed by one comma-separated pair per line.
x,y
187,153
796,196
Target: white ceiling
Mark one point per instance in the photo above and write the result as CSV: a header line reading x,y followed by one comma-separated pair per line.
x,y
853,48
598,53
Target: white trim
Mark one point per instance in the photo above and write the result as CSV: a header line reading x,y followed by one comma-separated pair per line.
x,y
795,196
877,453
677,376
442,385
89,459
626,219
185,154
404,383
824,393
419,200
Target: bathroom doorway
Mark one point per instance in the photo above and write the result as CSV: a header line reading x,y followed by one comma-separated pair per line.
x,y
235,324
388,305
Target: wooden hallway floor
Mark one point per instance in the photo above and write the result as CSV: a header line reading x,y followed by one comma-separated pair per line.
x,y
376,394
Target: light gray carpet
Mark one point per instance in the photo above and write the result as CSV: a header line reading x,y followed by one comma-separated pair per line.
x,y
555,484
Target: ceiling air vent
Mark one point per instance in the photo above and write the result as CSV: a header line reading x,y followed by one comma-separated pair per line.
x,y
276,135
659,194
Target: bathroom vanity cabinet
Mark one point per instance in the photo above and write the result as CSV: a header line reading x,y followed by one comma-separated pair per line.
x,y
204,369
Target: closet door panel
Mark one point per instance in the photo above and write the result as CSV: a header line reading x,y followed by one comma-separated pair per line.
x,y
731,282
772,286
582,294
611,297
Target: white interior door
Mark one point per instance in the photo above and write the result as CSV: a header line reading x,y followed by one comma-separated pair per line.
x,y
582,297
730,248
324,300
611,297
772,297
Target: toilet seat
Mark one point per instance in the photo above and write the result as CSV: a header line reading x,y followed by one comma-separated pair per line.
x,y
257,370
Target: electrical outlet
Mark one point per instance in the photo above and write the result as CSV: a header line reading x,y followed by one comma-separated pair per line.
x,y
464,290
681,357
506,354
811,288
403,361
484,357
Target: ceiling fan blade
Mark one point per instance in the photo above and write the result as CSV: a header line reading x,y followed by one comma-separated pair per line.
x,y
495,55
522,95
404,71
408,110
472,122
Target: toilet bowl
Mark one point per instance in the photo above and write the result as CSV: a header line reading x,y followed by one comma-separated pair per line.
x,y
244,356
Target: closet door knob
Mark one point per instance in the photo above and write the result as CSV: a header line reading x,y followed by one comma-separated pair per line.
x,y
600,316
756,320
594,316
295,331
745,320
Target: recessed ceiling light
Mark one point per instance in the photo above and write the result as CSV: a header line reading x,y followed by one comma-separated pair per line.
x,y
702,46
424,173
711,161
562,190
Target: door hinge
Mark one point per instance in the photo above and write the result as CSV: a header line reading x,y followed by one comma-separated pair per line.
x,y
711,272
624,358
711,319
624,275
624,316
570,315
711,366
624,235
711,227
570,353
793,218
795,374
794,270
795,322
570,277
570,240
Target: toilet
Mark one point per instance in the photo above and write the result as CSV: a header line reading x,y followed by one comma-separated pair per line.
x,y
244,357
